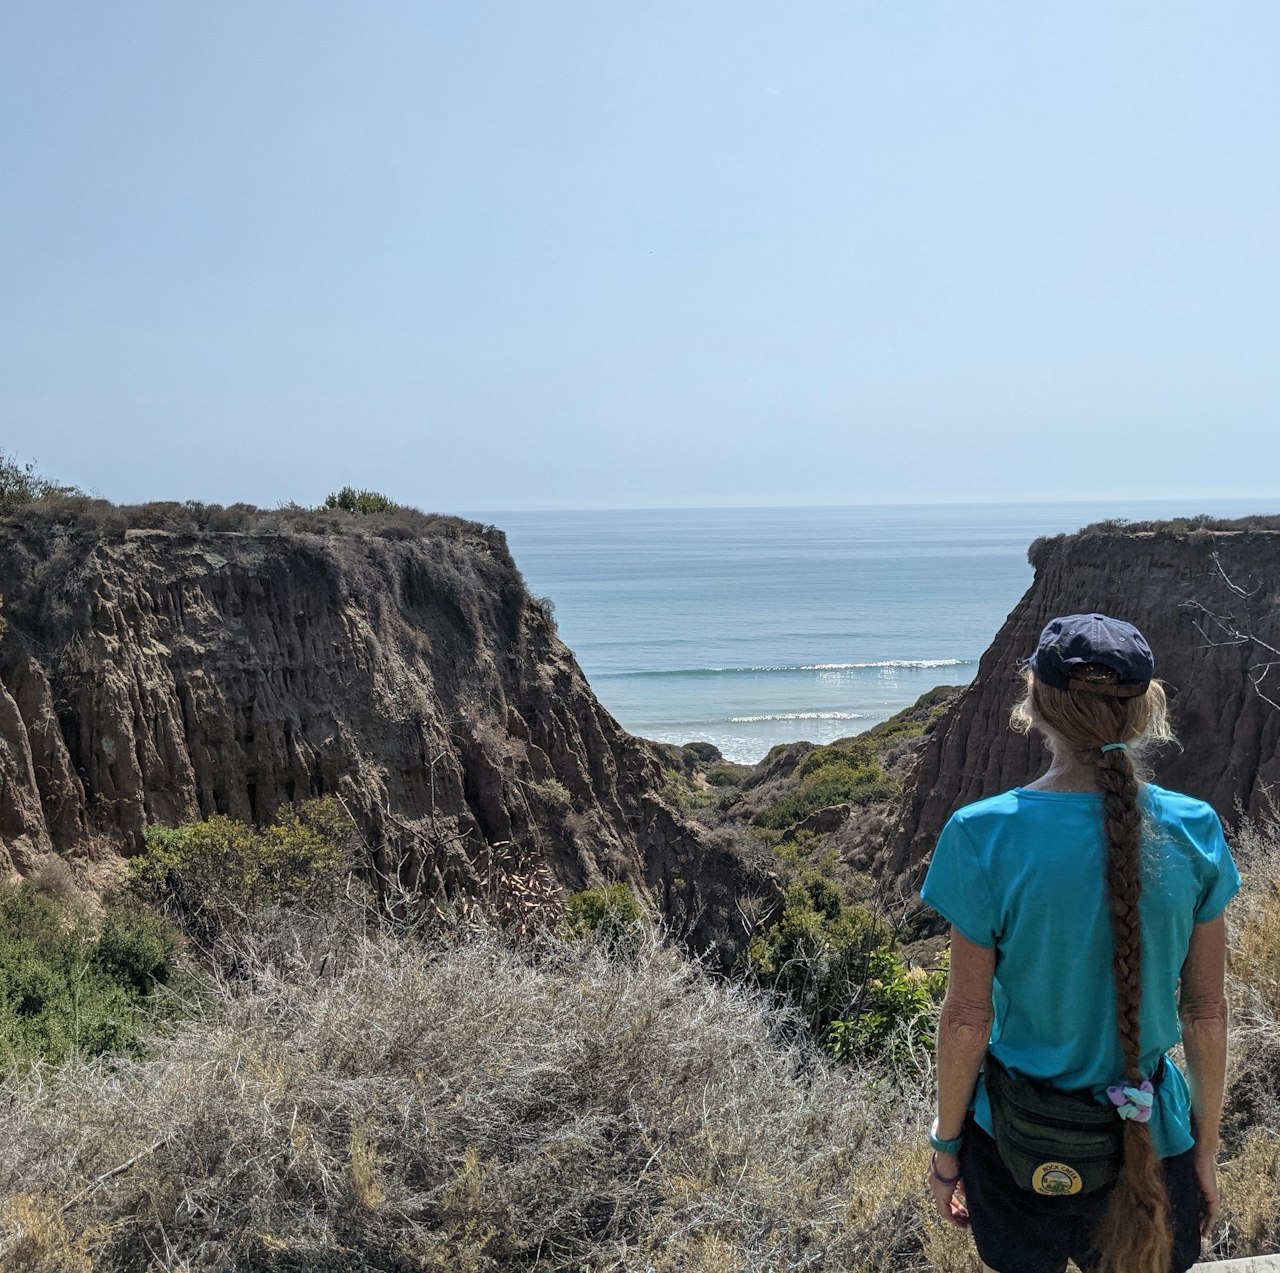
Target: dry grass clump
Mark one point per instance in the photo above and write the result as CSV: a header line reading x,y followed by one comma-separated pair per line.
x,y
1255,915
469,1106
1251,1190
1250,1182
36,1238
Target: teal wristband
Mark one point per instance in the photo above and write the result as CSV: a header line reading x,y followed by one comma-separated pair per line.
x,y
944,1146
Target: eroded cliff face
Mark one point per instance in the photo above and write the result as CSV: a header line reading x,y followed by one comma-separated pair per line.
x,y
1208,602
153,675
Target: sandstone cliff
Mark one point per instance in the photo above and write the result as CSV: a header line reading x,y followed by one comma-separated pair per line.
x,y
165,663
1205,595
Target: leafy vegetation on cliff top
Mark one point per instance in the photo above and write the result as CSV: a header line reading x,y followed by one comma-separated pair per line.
x,y
21,484
353,500
30,499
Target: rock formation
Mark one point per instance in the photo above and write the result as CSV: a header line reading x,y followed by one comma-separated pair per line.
x,y
1205,595
165,663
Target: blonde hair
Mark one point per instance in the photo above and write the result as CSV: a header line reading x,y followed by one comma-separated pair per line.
x,y
1135,1236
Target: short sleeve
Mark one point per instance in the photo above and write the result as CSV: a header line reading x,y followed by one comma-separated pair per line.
x,y
957,888
1222,880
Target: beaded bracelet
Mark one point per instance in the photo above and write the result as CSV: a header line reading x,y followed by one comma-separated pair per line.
x,y
933,1168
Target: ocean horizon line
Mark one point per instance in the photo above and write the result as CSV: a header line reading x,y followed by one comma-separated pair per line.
x,y
1093,500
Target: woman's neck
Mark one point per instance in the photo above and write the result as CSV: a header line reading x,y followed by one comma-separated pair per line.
x,y
1066,773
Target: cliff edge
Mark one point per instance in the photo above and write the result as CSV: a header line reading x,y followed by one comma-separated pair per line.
x,y
166,663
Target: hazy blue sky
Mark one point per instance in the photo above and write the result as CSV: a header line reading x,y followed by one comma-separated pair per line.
x,y
568,254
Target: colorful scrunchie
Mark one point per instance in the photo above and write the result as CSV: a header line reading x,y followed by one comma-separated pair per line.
x,y
1133,1102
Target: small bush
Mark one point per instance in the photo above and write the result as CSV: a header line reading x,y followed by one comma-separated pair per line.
x,y
835,782
1255,957
687,796
554,793
895,1016
20,484
724,776
902,732
846,753
547,608
611,914
702,753
1251,1212
817,955
136,948
351,500
1248,1183
208,868
66,990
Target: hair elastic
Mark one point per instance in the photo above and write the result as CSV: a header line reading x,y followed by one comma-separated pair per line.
x,y
1114,746
1132,1102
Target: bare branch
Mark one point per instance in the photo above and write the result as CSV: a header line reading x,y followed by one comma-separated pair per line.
x,y
1235,587
1231,632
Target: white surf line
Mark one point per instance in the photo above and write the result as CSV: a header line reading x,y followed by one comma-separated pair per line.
x,y
1250,1264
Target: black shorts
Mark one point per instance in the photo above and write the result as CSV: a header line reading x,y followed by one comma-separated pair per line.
x,y
1017,1231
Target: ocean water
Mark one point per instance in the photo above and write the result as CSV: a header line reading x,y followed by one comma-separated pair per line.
x,y
750,627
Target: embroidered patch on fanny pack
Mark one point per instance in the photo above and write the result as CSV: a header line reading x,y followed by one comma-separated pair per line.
x,y
1055,1179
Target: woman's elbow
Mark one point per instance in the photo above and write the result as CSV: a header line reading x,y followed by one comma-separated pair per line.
x,y
1205,1016
966,1026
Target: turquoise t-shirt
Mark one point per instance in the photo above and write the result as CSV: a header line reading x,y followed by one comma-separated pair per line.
x,y
1022,873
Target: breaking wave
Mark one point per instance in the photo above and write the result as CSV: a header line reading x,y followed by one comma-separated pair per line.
x,y
744,720
797,667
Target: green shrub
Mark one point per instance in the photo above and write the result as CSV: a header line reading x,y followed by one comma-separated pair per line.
x,y
724,776
848,753
701,753
843,772
21,484
554,793
895,1014
66,990
685,796
795,848
136,947
611,913
211,867
833,782
901,732
817,955
912,721
351,500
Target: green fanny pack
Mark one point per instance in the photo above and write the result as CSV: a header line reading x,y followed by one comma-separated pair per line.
x,y
1054,1142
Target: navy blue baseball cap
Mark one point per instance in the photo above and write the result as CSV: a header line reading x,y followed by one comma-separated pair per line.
x,y
1072,640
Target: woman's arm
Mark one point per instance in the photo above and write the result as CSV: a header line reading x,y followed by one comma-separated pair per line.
x,y
1203,1009
964,1030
